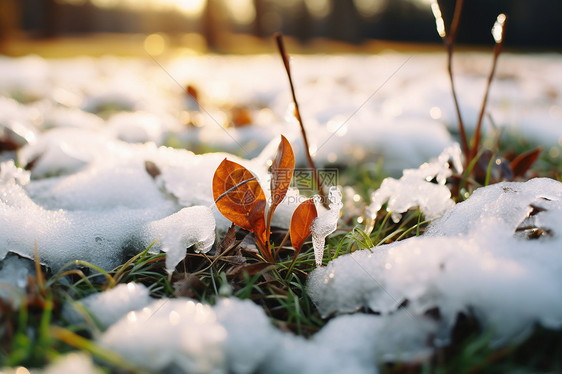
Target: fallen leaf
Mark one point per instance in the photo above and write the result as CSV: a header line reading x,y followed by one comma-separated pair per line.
x,y
152,169
251,269
240,116
188,286
228,241
524,161
192,91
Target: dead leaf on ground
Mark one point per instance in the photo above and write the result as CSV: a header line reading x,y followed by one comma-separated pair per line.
x,y
251,269
152,169
188,286
228,241
522,163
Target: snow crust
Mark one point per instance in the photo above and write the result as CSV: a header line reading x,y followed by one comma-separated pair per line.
x,y
416,188
478,258
99,209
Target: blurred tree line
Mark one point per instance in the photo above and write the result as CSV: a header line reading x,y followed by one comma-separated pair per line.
x,y
531,24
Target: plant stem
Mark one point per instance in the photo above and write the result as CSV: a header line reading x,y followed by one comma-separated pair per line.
x,y
449,41
285,238
282,51
476,140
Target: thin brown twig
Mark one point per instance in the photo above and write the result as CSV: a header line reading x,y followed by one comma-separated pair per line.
x,y
282,51
476,139
456,21
449,41
285,239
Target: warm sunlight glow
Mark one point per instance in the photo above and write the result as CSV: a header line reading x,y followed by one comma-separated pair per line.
x,y
242,11
191,8
105,3
155,44
497,30
318,8
370,8
439,23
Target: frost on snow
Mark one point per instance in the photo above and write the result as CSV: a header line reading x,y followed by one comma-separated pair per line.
x,y
496,255
326,223
416,188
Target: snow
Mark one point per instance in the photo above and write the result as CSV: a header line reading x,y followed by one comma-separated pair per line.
x,y
416,189
474,259
236,336
78,187
71,363
110,306
193,226
169,333
106,206
68,363
326,223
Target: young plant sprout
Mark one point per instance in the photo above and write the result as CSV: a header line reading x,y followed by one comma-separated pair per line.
x,y
240,198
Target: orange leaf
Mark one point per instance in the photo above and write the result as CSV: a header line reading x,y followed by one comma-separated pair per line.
x,y
281,174
524,161
240,198
300,223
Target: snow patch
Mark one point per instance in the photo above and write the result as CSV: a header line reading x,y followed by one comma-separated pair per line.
x,y
498,251
416,188
110,306
236,336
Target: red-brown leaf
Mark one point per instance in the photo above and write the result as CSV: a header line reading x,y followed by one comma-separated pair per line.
x,y
244,205
281,174
524,161
300,223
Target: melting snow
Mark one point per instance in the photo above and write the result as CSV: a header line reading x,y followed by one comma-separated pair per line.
x,y
416,188
108,307
326,223
480,257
